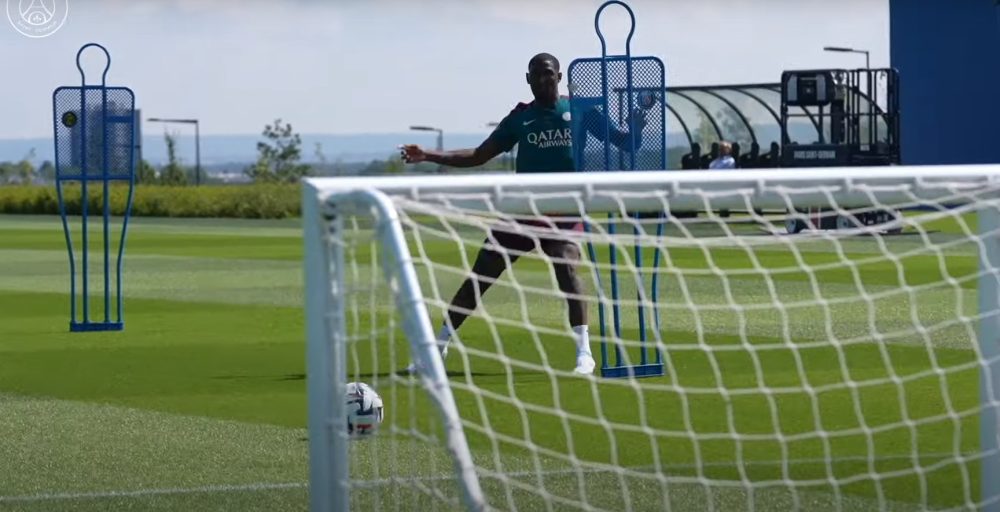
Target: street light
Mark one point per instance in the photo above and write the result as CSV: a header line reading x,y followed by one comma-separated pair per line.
x,y
197,142
440,132
841,49
508,160
440,138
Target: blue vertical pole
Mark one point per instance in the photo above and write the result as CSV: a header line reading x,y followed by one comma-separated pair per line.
x,y
107,214
62,215
656,293
84,170
641,307
600,305
136,137
615,308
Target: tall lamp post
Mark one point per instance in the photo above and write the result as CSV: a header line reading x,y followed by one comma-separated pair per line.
x,y
440,137
840,49
197,142
508,158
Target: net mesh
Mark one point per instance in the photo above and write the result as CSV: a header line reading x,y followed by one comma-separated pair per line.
x,y
94,133
830,370
640,107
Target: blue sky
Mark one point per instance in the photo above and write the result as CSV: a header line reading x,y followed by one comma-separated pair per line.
x,y
376,66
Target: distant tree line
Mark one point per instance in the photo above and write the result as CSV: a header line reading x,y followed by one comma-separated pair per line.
x,y
279,160
25,172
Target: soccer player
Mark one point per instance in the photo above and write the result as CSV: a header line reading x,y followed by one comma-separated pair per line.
x,y
542,131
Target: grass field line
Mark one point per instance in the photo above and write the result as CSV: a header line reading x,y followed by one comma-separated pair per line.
x,y
142,493
186,225
650,471
59,259
488,474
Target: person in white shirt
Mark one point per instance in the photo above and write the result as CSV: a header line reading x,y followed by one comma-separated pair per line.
x,y
725,159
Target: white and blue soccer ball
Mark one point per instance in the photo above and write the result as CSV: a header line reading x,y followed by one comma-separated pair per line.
x,y
364,410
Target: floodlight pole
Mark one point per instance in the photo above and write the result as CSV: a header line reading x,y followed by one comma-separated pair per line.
x,y
197,153
197,142
840,49
440,138
508,157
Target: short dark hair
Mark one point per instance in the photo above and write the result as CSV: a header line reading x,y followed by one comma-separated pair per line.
x,y
543,57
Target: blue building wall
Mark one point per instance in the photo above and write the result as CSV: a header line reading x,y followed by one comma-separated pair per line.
x,y
948,56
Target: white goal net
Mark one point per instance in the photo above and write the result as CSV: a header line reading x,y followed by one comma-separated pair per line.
x,y
852,365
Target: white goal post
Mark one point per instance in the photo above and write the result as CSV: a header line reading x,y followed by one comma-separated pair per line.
x,y
404,230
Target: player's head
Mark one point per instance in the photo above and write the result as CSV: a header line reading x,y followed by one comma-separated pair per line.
x,y
725,148
544,76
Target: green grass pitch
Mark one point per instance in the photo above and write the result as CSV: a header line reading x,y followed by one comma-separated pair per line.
x,y
200,403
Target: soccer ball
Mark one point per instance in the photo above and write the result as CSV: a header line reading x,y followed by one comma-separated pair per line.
x,y
364,410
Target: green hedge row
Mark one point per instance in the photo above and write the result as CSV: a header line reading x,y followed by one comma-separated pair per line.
x,y
270,201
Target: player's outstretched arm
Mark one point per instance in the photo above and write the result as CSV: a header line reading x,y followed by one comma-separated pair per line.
x,y
594,122
489,149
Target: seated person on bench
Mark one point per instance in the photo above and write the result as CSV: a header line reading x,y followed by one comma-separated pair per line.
x,y
725,159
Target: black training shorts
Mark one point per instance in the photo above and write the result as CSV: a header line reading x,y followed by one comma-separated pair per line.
x,y
516,242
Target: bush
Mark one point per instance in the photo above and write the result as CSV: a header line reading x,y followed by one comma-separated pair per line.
x,y
258,201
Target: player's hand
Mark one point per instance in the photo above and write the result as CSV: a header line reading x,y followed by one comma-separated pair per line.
x,y
412,153
638,119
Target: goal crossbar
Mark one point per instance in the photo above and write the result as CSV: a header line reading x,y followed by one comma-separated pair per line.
x,y
600,192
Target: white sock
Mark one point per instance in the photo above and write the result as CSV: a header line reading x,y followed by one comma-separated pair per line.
x,y
443,337
582,337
